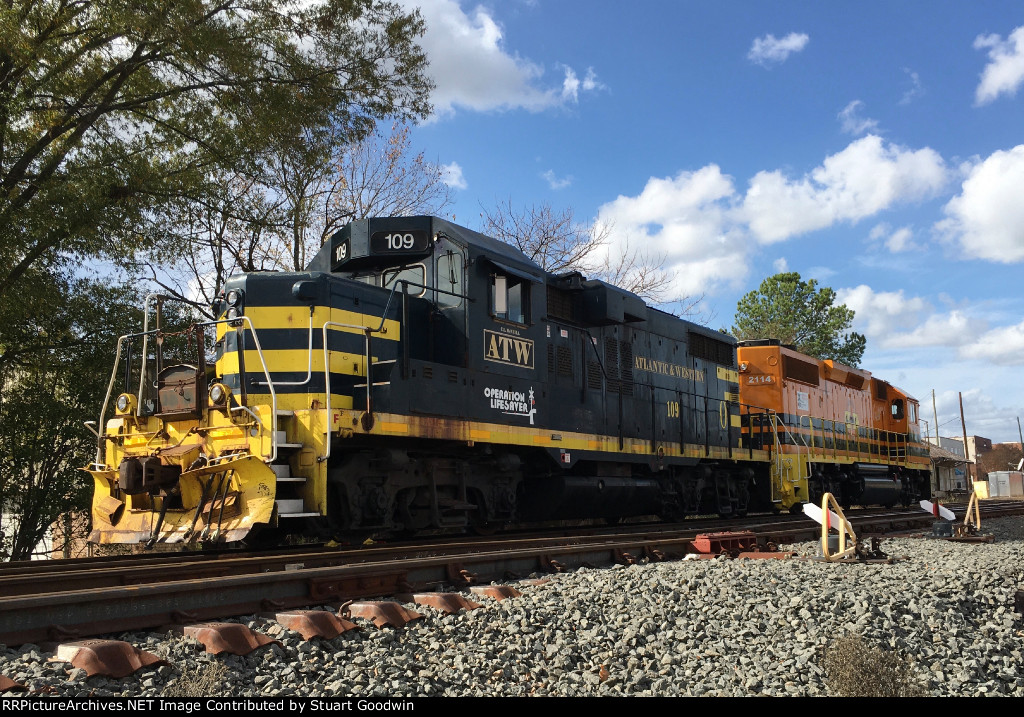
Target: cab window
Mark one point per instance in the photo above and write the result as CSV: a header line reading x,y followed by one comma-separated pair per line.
x,y
510,298
415,274
897,408
449,279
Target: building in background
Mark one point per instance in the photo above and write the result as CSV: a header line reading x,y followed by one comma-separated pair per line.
x,y
977,448
949,471
952,445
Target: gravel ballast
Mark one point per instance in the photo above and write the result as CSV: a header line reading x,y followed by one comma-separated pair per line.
x,y
700,628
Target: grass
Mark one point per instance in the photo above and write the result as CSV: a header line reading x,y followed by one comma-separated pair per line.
x,y
853,668
204,681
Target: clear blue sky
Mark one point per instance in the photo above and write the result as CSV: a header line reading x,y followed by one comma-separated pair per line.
x,y
877,147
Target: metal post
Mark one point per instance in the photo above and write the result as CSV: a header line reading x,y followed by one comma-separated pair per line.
x,y
1021,438
369,401
967,453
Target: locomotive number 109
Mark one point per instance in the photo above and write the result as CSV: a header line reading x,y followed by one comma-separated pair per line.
x,y
391,242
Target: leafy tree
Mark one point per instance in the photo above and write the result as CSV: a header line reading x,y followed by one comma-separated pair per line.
x,y
797,312
111,109
47,393
119,117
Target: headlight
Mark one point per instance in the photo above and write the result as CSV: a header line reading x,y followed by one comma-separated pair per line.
x,y
234,297
218,393
232,313
123,403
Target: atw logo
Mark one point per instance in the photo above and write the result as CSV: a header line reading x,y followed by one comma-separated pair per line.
x,y
508,349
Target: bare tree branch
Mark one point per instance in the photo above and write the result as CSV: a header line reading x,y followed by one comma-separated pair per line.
x,y
558,243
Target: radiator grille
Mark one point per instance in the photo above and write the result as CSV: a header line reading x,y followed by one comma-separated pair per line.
x,y
799,370
709,349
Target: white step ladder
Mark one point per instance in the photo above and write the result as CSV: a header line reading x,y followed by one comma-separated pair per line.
x,y
289,501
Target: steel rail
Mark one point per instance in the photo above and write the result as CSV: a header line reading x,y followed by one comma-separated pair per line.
x,y
27,577
117,568
76,613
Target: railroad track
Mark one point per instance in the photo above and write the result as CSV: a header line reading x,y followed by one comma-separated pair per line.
x,y
73,599
43,577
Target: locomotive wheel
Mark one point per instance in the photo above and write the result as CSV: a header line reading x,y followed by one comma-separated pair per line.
x,y
485,528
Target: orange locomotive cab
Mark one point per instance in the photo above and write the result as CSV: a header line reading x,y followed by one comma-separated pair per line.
x,y
832,429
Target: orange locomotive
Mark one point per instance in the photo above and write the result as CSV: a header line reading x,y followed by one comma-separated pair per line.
x,y
836,429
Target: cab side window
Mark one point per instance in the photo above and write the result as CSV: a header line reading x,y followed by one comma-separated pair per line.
x,y
449,279
897,408
510,298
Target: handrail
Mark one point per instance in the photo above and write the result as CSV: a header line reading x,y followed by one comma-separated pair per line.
x,y
776,422
106,400
892,441
266,372
117,360
145,343
368,331
309,366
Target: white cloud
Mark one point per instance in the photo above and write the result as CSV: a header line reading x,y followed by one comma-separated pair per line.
x,y
901,240
555,182
780,265
1004,346
916,88
852,121
572,85
821,274
881,313
987,217
954,329
707,232
984,417
1004,72
682,219
894,322
768,49
891,320
452,176
470,66
895,240
859,181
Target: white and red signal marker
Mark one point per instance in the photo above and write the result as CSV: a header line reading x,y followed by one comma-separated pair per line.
x,y
815,513
939,511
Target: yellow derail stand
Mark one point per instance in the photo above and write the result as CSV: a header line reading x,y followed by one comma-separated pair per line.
x,y
849,548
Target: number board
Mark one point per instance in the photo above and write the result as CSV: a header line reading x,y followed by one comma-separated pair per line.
x,y
340,253
400,242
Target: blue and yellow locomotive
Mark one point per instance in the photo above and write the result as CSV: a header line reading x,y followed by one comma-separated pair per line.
x,y
422,376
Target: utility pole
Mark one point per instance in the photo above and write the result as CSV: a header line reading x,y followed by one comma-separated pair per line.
x,y
967,453
1021,444
935,415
